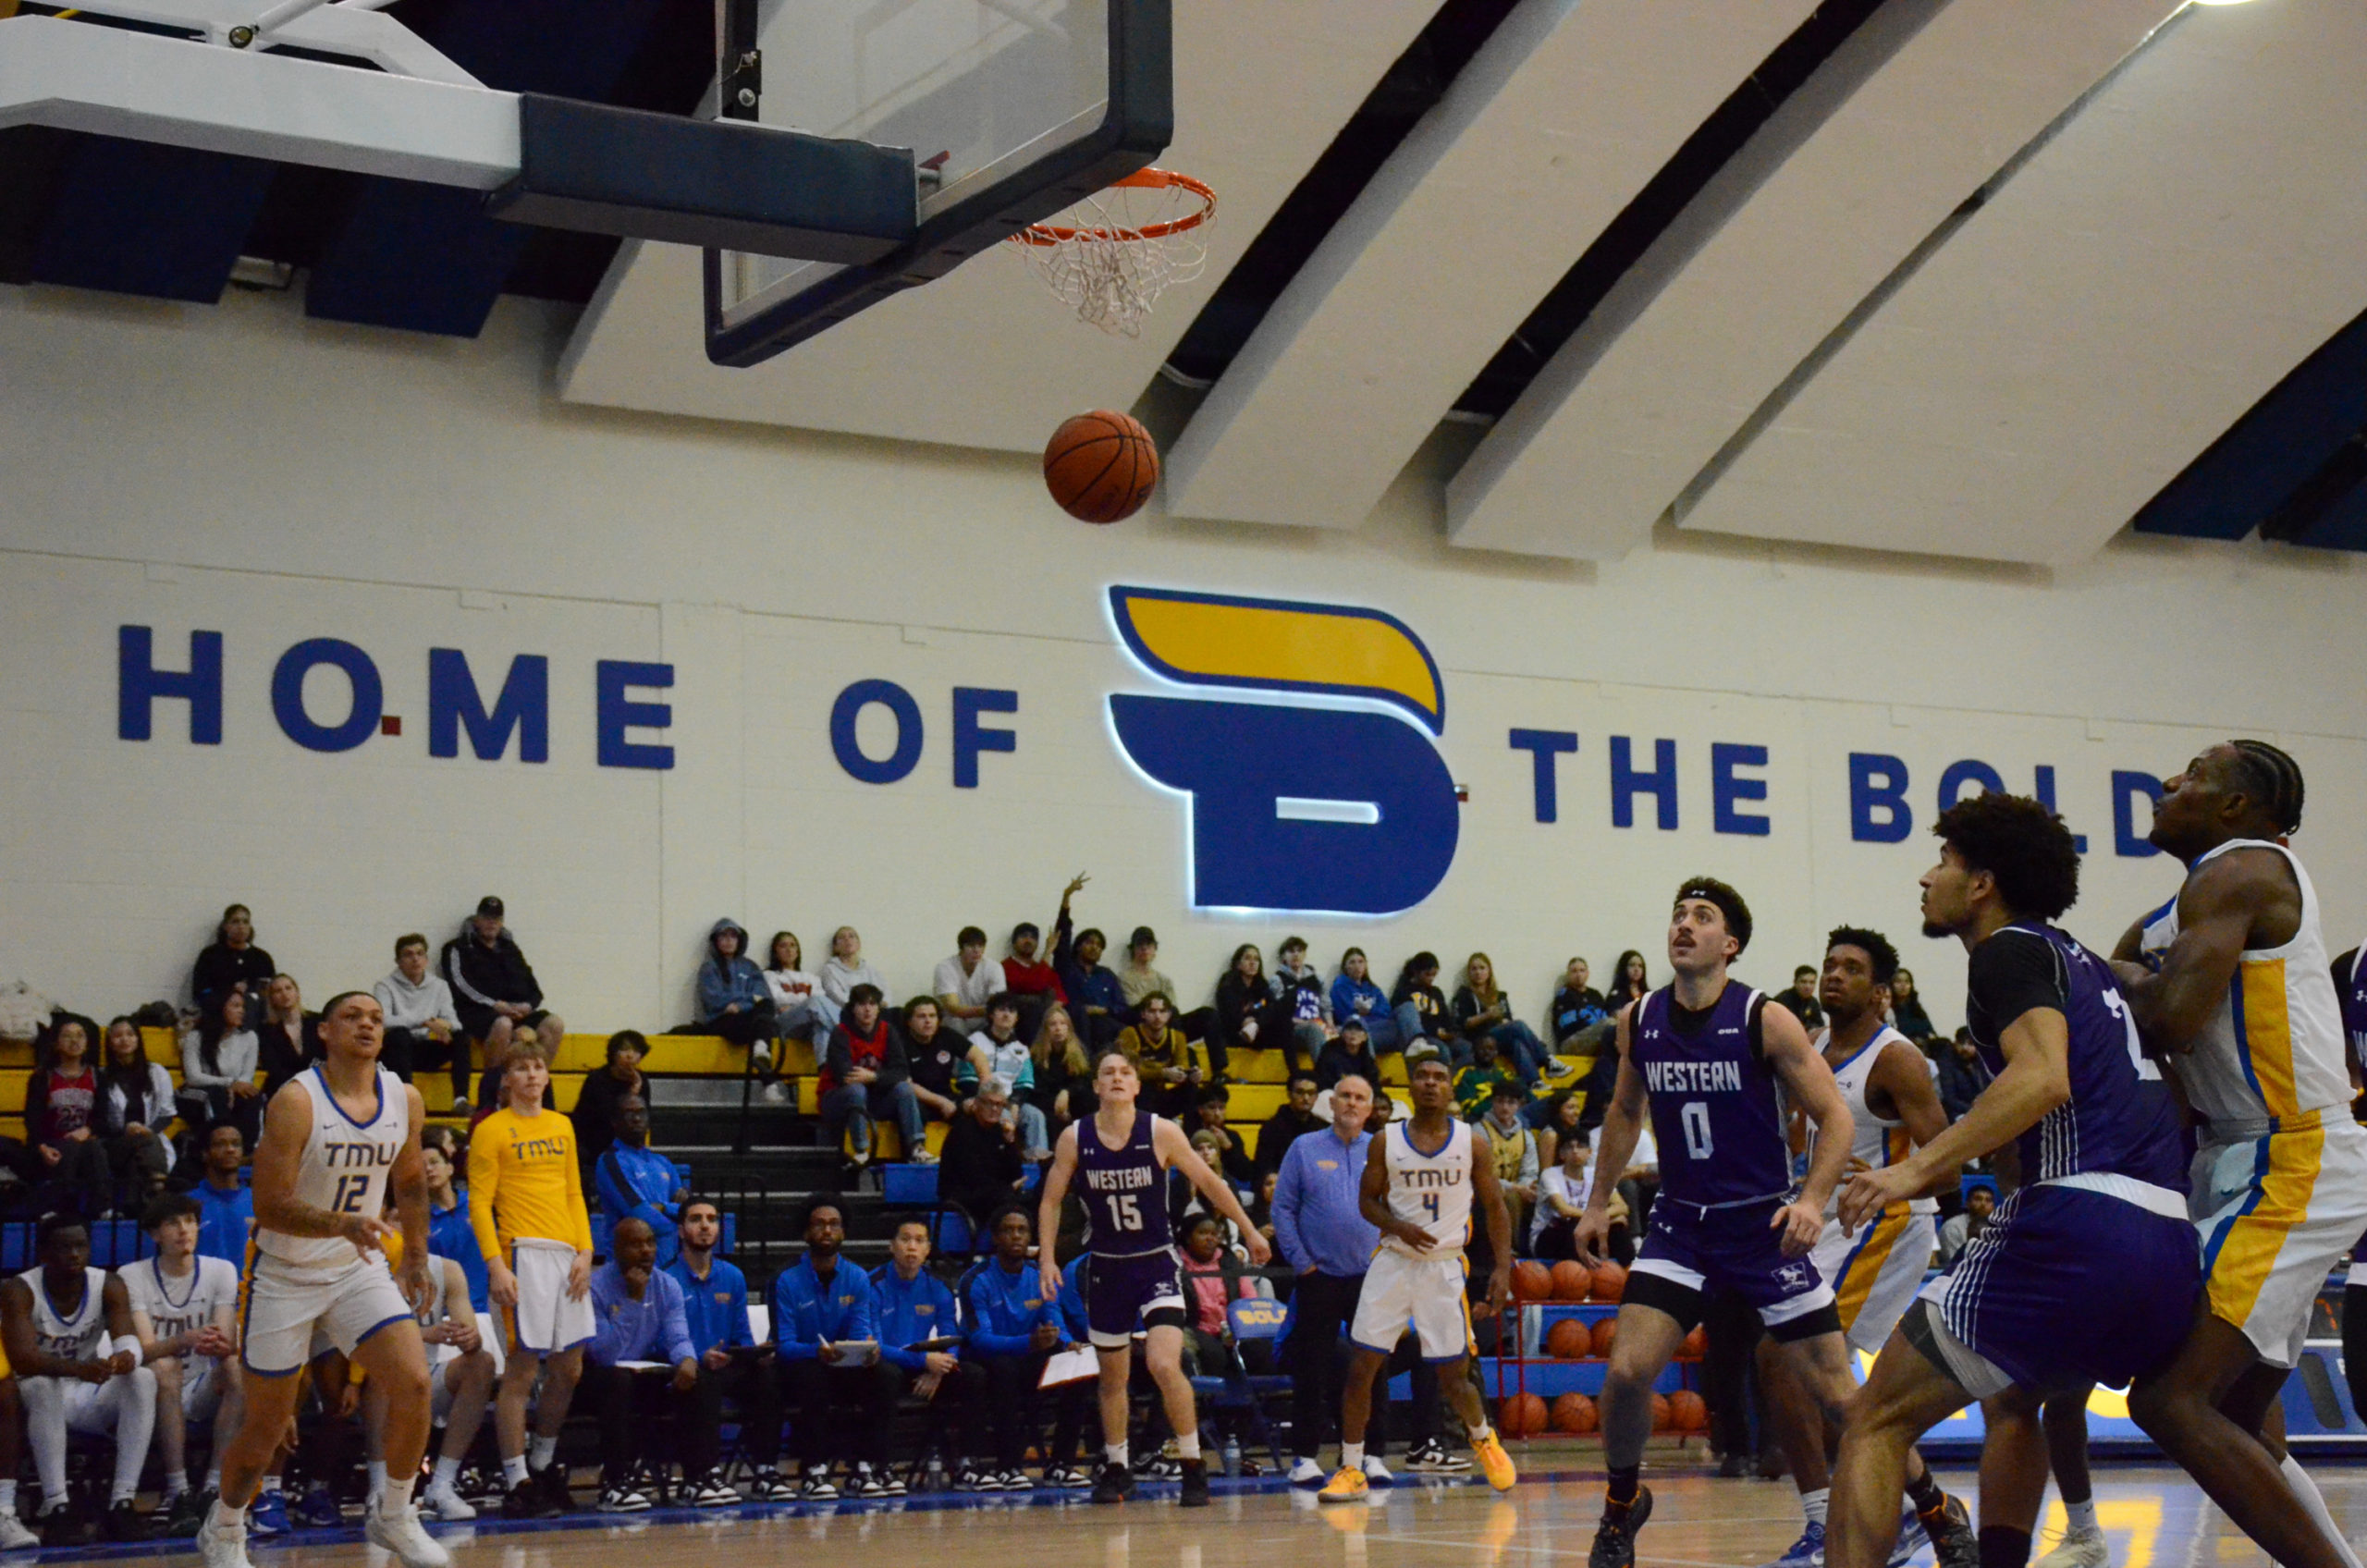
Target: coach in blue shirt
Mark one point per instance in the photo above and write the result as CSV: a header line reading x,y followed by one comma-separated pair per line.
x,y
636,1181
1011,1328
1320,1232
715,1305
637,1316
914,1307
820,1305
227,1207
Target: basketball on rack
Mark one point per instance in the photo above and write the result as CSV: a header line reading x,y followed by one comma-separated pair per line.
x,y
1570,1280
1574,1414
1100,467
1688,1412
1696,1345
1663,1414
1531,1281
1521,1415
1568,1341
1610,1281
1606,1332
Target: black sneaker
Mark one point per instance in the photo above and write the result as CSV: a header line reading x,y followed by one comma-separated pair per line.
x,y
188,1514
528,1499
65,1526
1196,1483
770,1486
125,1523
1949,1529
1733,1467
1116,1485
970,1478
553,1481
1614,1539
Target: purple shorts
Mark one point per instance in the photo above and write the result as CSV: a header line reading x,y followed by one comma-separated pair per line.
x,y
1121,1296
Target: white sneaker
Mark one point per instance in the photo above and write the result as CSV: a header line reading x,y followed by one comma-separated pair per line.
x,y
401,1534
1376,1472
443,1503
775,1092
220,1545
1305,1472
761,1056
2079,1549
15,1533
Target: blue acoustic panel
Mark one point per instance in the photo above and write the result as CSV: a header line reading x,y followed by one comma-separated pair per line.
x,y
134,218
2280,443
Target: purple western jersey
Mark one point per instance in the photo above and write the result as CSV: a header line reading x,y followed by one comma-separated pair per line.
x,y
1124,1191
2120,1120
1717,1114
2352,988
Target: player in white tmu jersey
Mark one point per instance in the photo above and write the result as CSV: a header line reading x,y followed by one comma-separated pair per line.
x,y
184,1309
1875,1270
335,1138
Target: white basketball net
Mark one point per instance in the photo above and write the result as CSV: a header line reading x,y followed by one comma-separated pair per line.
x,y
1110,256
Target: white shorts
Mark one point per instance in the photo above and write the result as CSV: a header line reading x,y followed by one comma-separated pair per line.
x,y
1875,1272
1422,1293
546,1319
277,1320
2277,1214
91,1409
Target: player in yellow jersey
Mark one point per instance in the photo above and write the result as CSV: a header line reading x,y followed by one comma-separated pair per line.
x,y
526,1205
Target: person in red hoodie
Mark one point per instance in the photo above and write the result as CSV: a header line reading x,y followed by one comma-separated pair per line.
x,y
865,1074
1027,976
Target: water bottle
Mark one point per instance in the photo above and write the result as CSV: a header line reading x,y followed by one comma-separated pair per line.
x,y
935,1472
1232,1454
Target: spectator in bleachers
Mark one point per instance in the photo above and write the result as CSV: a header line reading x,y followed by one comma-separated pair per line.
x,y
864,1075
288,1037
423,1025
1631,981
1141,975
219,1068
225,1205
637,1183
821,1306
1027,977
1097,997
1011,1330
1505,1136
185,1312
1183,1199
1320,1232
1248,1018
1214,1102
61,1104
1800,1000
1213,1277
846,968
135,1113
493,988
1576,1006
1980,1204
1560,1119
968,980
1562,1192
1172,1069
1421,1007
804,1012
1060,1078
1962,1075
449,1234
231,962
1261,1206
933,1055
920,1330
1481,1007
1000,1051
1354,995
979,1168
459,1382
1299,998
597,1100
1476,1084
1295,1119
732,1364
1907,1014
639,1309
735,1000
1351,1051
68,1330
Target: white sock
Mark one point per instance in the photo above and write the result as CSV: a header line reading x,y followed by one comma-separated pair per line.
x,y
392,1496
226,1515
1482,1434
1187,1445
539,1451
447,1474
122,1493
8,1495
2307,1490
1353,1455
175,1482
1812,1505
1115,1453
513,1471
214,1477
2083,1515
270,1486
377,1472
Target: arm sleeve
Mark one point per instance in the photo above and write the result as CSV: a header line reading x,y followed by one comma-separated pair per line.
x,y
1286,1200
864,1323
987,1341
676,1330
617,1198
445,1010
457,973
735,1324
484,1181
576,1215
193,1073
715,989
2010,973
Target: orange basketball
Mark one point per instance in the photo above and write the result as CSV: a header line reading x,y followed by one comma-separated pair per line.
x,y
1570,1282
1663,1414
1610,1281
1573,1412
1568,1339
1532,1281
1684,1407
1604,1333
1521,1415
1100,467
1696,1345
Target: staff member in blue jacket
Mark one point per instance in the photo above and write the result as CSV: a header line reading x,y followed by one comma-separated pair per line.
x,y
822,1316
636,1181
914,1308
637,1313
1011,1330
715,1303
1320,1232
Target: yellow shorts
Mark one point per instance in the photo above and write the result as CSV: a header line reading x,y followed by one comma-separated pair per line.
x,y
2277,1214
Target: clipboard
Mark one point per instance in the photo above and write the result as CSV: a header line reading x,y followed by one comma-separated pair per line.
x,y
1071,1366
856,1353
943,1341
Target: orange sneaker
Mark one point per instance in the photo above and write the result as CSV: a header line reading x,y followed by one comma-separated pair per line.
x,y
1494,1463
1347,1485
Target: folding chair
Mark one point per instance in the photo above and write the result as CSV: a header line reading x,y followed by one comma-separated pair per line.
x,y
1257,1318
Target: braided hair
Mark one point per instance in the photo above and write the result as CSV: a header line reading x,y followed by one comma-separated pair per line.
x,y
2273,780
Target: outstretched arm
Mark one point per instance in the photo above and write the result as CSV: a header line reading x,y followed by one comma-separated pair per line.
x,y
1178,1153
2218,909
2037,1078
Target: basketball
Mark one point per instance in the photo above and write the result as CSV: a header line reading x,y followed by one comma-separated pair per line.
x,y
1532,1281
1573,1412
1663,1414
1100,467
1610,1281
1696,1345
1684,1408
1604,1333
1521,1415
1568,1341
1570,1282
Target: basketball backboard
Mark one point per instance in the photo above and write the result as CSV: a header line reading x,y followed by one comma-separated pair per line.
x,y
1012,109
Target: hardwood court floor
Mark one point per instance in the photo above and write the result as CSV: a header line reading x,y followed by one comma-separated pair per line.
x,y
2153,1518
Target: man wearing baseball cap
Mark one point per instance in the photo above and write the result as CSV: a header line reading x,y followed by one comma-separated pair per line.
x,y
494,989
